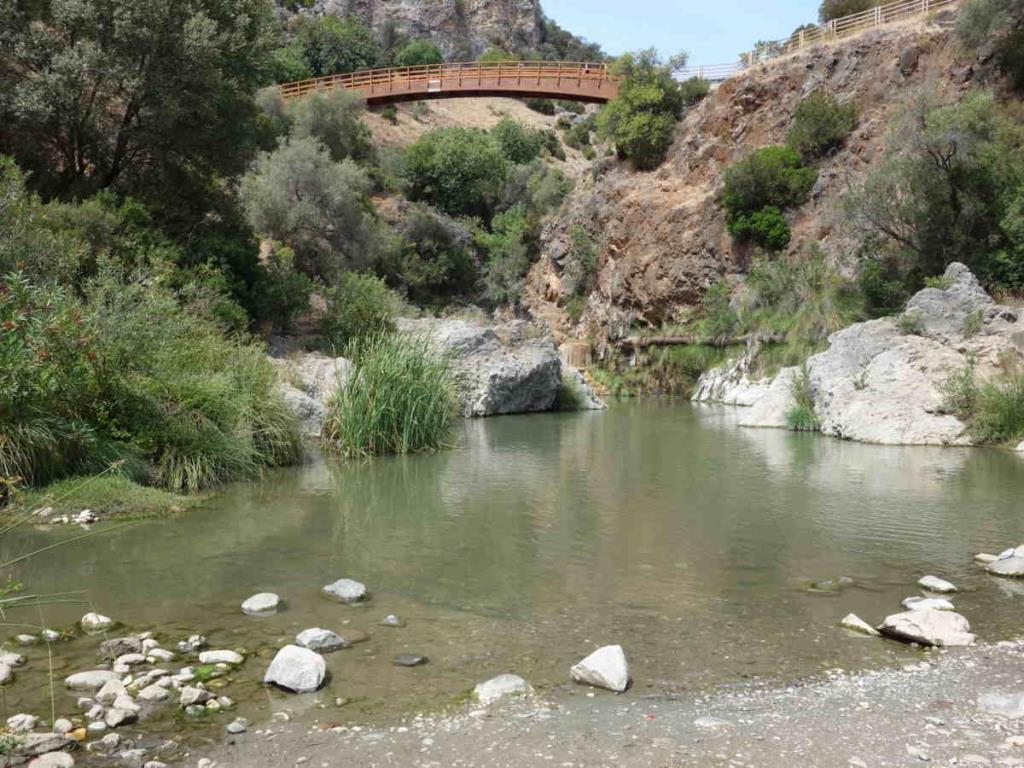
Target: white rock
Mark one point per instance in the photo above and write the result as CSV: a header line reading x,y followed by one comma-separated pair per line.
x,y
928,627
711,722
115,717
63,725
21,723
160,655
1009,705
190,696
236,726
97,727
154,693
262,604
985,559
126,703
605,668
1011,566
221,657
928,603
95,622
296,669
320,640
53,760
346,590
90,681
6,674
130,660
110,691
854,623
149,644
935,584
11,659
498,687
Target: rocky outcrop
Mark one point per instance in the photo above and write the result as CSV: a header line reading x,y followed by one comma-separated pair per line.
x,y
463,29
928,627
883,381
308,381
509,368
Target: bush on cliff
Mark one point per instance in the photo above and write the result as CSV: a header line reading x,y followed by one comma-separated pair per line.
x,y
999,23
641,120
418,53
401,398
820,125
357,305
836,9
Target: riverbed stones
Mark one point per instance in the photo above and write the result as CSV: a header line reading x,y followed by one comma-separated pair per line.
x,y
983,558
6,674
119,646
409,660
116,716
236,726
1008,705
320,640
935,584
296,669
62,725
346,591
928,603
928,627
154,694
262,604
95,622
855,623
191,695
501,687
391,620
221,657
53,760
604,668
21,723
11,659
1008,565
92,680
110,691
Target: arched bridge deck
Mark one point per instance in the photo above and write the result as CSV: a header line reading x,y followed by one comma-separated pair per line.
x,y
575,81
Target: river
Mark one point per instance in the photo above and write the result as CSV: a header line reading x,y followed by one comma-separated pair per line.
x,y
660,526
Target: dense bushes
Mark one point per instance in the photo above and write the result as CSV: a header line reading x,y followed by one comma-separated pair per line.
x,y
993,410
357,305
641,120
820,125
400,399
759,187
950,188
519,143
434,262
126,374
327,45
418,53
836,9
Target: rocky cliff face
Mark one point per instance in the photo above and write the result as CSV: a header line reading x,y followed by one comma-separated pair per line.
x,y
662,235
463,29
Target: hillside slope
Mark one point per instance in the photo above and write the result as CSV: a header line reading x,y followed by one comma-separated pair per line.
x,y
662,236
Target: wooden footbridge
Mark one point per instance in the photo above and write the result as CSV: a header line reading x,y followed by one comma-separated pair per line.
x,y
572,81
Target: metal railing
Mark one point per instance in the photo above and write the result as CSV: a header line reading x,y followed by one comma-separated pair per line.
x,y
429,78
837,29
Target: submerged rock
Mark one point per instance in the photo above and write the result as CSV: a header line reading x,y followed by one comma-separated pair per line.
x,y
935,584
928,627
221,657
95,622
21,723
854,623
1009,705
409,660
53,760
296,669
346,590
1011,567
501,686
262,604
604,668
985,559
391,620
321,640
928,603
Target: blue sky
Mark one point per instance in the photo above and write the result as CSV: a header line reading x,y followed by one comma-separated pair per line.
x,y
713,32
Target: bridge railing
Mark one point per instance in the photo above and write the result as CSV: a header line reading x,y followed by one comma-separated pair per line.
x,y
837,29
504,73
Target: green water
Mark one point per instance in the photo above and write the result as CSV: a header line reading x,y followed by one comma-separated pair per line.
x,y
659,526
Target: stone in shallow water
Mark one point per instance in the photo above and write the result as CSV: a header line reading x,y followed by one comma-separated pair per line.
x,y
6,674
928,603
855,623
90,681
409,660
11,659
605,668
353,636
1012,566
1009,705
21,723
221,657
95,622
321,640
501,686
346,590
296,669
984,558
935,584
53,760
236,726
928,627
263,604
391,620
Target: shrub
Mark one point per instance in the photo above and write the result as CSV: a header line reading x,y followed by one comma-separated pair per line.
x,y
299,196
882,286
459,170
331,45
641,119
820,125
960,394
537,189
694,90
836,9
1001,24
542,106
494,55
999,415
400,399
579,265
390,113
436,261
519,143
577,135
772,176
333,119
910,324
801,416
719,319
767,228
507,256
419,53
358,305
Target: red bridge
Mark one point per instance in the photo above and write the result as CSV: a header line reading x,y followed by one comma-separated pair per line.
x,y
541,79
